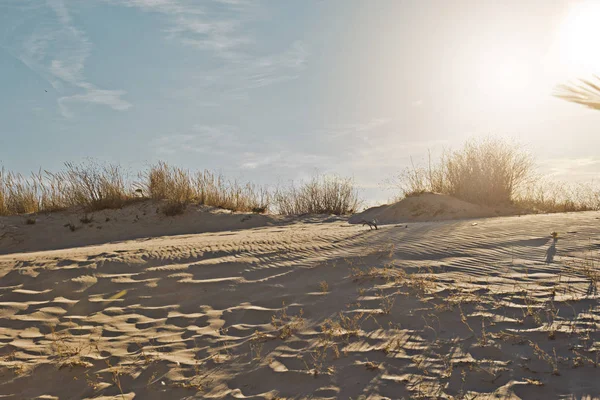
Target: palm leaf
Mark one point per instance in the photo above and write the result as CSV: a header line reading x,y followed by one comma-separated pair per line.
x,y
585,92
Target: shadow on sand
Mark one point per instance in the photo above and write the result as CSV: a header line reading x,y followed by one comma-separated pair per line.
x,y
551,252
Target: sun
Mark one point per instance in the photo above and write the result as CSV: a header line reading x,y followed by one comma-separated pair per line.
x,y
579,34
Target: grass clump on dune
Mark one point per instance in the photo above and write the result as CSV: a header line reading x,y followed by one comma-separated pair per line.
x,y
89,185
94,186
487,172
494,172
178,187
320,195
546,196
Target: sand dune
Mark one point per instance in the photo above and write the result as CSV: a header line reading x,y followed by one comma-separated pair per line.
x,y
429,207
75,228
493,308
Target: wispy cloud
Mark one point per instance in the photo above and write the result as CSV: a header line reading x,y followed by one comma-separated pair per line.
x,y
334,145
284,160
238,150
358,131
110,98
203,139
221,28
582,168
210,25
57,51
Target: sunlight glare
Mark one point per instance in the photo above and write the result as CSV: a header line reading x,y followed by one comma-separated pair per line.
x,y
503,77
579,34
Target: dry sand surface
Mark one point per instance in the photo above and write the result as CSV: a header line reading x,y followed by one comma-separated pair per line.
x,y
429,207
488,308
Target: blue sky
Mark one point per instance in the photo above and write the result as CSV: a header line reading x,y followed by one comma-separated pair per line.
x,y
275,90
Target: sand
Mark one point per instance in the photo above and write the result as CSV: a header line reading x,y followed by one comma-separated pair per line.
x,y
319,308
429,207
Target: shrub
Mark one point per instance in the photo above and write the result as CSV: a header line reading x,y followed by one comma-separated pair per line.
x,y
169,183
94,186
320,195
17,194
494,172
176,185
173,208
88,185
489,172
546,196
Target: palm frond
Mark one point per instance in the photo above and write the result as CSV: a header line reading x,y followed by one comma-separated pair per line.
x,y
585,92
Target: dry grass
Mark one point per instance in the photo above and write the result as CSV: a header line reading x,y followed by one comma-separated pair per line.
x,y
320,195
546,196
494,172
585,92
179,187
94,186
89,185
488,172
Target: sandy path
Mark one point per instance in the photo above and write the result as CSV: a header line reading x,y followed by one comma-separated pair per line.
x,y
489,308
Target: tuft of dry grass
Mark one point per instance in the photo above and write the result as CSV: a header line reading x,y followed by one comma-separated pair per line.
x,y
488,171
178,187
173,208
21,195
546,196
494,172
320,195
94,186
89,185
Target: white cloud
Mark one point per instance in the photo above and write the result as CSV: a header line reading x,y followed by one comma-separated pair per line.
x,y
57,51
577,169
353,133
284,160
61,11
199,24
221,28
206,139
110,98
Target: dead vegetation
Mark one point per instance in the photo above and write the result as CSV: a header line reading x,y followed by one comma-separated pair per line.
x,y
93,186
494,172
178,187
320,195
584,91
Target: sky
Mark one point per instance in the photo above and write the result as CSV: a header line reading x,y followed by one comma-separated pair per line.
x,y
273,91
